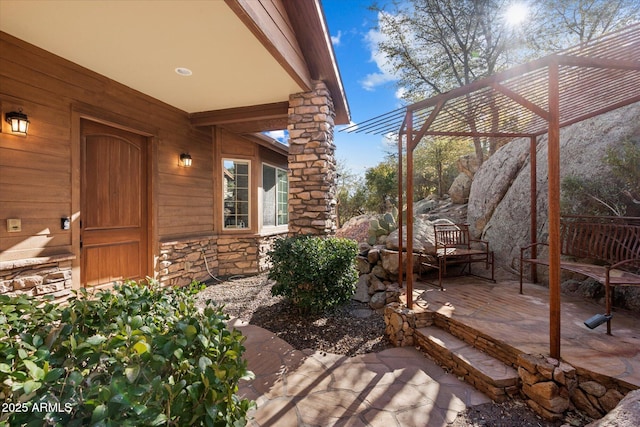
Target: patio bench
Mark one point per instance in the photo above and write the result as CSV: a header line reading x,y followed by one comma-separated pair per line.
x,y
606,249
454,246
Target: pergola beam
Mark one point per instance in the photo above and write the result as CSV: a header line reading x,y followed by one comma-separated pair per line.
x,y
590,62
520,100
415,139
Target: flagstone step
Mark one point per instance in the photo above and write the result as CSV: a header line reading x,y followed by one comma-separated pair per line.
x,y
485,373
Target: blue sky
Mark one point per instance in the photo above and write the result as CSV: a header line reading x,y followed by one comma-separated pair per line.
x,y
370,91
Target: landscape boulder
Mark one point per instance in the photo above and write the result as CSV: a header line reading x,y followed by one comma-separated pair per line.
x,y
625,414
460,189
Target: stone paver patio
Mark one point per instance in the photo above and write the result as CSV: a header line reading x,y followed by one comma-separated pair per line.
x,y
396,387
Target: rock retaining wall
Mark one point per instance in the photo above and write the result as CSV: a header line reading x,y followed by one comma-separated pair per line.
x,y
378,281
552,387
401,323
378,286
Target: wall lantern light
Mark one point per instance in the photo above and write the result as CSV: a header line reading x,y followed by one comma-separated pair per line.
x,y
185,160
19,122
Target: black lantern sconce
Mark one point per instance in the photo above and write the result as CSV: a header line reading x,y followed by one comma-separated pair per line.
x,y
19,122
185,160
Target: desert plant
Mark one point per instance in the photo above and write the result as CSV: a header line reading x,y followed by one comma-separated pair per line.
x,y
383,225
314,272
135,355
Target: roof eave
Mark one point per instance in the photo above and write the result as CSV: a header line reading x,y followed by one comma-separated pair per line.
x,y
309,23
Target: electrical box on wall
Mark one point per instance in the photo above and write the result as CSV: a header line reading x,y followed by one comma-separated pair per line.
x,y
14,225
65,223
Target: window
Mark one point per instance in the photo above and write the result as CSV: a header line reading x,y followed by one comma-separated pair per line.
x,y
275,184
235,180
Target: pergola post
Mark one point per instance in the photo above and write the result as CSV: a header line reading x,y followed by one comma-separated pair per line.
x,y
554,210
533,156
410,147
400,200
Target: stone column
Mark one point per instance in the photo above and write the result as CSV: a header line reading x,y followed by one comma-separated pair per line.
x,y
312,165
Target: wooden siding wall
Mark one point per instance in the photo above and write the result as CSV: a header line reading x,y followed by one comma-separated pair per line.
x,y
37,172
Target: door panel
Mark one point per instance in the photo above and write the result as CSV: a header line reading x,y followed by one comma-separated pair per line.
x,y
114,205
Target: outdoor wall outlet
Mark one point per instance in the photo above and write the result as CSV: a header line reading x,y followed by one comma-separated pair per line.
x,y
14,225
65,223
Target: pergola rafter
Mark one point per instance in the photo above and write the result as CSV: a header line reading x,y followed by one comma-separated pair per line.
x,y
528,100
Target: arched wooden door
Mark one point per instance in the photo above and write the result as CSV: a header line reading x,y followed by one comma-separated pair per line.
x,y
114,208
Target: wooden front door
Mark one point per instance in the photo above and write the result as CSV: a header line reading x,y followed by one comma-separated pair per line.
x,y
114,205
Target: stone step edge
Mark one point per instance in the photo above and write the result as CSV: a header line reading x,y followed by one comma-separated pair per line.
x,y
469,363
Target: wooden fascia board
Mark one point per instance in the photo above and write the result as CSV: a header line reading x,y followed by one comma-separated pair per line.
x,y
269,143
276,110
274,37
308,21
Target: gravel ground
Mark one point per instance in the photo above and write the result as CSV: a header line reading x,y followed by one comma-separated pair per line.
x,y
349,330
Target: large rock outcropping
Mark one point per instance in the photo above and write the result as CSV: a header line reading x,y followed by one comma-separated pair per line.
x,y
499,201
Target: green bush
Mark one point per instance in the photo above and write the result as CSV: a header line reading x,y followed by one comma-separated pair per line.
x,y
132,356
614,194
315,273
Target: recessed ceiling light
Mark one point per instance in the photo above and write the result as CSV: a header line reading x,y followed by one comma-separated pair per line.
x,y
183,71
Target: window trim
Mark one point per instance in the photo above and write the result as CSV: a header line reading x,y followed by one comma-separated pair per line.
x,y
277,227
249,193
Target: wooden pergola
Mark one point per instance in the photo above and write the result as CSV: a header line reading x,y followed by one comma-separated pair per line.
x,y
527,101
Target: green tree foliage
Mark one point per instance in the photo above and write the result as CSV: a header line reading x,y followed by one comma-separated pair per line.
x,y
588,196
382,184
435,165
616,194
625,167
136,355
351,204
558,24
351,194
314,272
434,46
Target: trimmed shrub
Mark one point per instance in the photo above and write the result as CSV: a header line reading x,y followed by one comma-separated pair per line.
x,y
133,356
314,272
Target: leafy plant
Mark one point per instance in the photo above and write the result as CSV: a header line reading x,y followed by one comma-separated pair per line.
x,y
585,196
314,272
133,356
625,167
616,194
